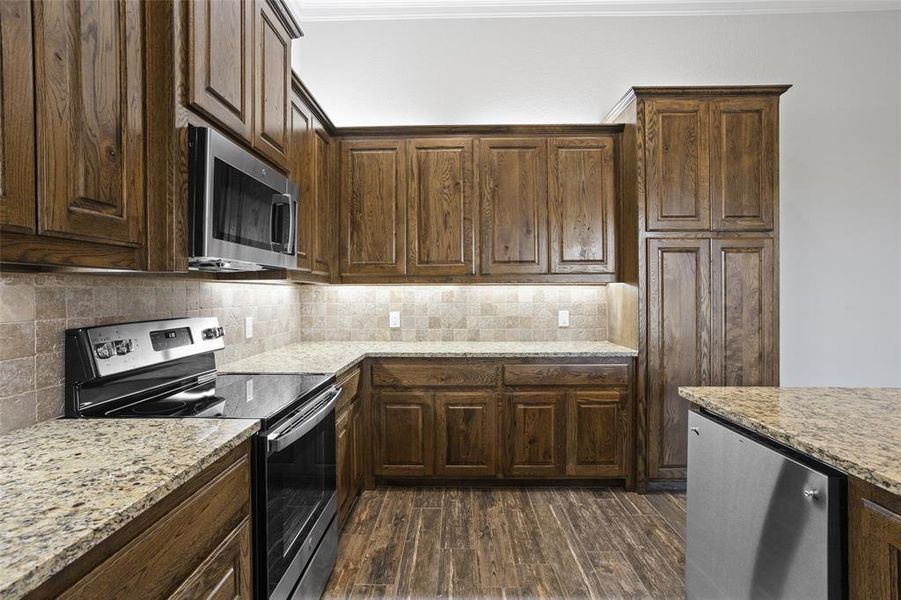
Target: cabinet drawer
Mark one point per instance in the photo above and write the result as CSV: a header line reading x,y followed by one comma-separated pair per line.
x,y
160,560
411,375
350,385
617,374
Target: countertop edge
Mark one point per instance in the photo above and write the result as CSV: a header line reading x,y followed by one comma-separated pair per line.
x,y
44,571
848,466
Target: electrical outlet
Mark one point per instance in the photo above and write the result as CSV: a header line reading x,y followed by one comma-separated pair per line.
x,y
394,319
248,327
248,390
563,318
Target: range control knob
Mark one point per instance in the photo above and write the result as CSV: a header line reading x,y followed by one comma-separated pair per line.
x,y
104,350
123,347
212,333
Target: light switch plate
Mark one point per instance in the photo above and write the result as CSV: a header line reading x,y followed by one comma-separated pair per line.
x,y
394,319
563,318
248,390
248,327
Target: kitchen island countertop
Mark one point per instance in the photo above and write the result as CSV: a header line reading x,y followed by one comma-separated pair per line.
x,y
855,430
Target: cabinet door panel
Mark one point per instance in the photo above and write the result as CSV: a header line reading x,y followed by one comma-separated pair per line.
x,y
677,181
440,221
743,163
272,84
678,345
344,461
323,208
405,433
302,173
373,207
513,197
89,72
17,158
582,199
357,447
465,434
596,430
225,574
220,66
874,544
744,305
534,428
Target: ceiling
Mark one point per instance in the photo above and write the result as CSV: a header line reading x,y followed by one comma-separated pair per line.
x,y
365,10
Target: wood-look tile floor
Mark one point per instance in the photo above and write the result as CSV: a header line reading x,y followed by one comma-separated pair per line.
x,y
512,543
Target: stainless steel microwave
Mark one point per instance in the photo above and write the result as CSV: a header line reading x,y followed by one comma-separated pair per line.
x,y
242,212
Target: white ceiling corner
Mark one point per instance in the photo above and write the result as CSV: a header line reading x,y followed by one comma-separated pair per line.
x,y
366,10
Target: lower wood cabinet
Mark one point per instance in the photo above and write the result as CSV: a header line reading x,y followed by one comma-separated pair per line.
x,y
534,425
348,445
486,419
874,542
195,543
466,434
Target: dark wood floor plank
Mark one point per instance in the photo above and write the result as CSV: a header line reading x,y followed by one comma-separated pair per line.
x,y
525,537
615,577
540,581
456,525
667,508
366,511
352,550
386,542
459,574
634,504
365,591
428,497
555,543
492,540
420,562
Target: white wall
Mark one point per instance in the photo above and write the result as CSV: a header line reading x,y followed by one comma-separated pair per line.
x,y
840,133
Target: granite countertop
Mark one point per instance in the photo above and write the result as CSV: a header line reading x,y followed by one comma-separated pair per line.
x,y
855,430
69,484
337,357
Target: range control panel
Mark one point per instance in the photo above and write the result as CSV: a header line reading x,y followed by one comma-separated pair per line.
x,y
127,346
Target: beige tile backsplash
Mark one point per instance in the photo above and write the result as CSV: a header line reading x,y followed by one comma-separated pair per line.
x,y
453,313
36,309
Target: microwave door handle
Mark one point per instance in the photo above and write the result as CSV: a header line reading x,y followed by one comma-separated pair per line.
x,y
290,432
278,237
292,223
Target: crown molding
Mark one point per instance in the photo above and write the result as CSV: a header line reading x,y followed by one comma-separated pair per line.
x,y
381,10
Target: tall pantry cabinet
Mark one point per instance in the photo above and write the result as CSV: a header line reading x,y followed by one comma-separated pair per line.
x,y
701,172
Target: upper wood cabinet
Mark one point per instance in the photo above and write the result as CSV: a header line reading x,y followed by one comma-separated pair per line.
x,y
678,347
272,84
323,233
302,172
220,62
582,199
17,158
513,198
743,163
373,202
440,214
743,334
90,120
677,171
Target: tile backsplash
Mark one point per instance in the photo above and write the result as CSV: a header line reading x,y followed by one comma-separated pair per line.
x,y
453,312
35,311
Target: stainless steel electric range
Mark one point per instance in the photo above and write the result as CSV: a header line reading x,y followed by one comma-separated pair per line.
x,y
167,369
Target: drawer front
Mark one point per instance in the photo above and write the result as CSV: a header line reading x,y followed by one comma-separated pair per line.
x,y
350,385
161,559
615,374
434,375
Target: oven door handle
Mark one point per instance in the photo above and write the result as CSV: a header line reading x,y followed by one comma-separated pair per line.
x,y
285,435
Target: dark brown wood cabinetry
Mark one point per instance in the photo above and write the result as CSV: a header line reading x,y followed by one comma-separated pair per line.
x,y
373,207
324,213
513,199
349,444
195,543
441,207
220,62
272,84
874,542
17,157
495,419
703,259
582,201
302,170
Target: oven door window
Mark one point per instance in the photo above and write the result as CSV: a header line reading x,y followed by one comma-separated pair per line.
x,y
300,481
242,207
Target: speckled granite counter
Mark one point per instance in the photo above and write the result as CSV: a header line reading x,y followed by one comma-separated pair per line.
x,y
68,484
856,430
337,357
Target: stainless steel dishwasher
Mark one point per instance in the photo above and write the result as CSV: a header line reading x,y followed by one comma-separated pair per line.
x,y
763,521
